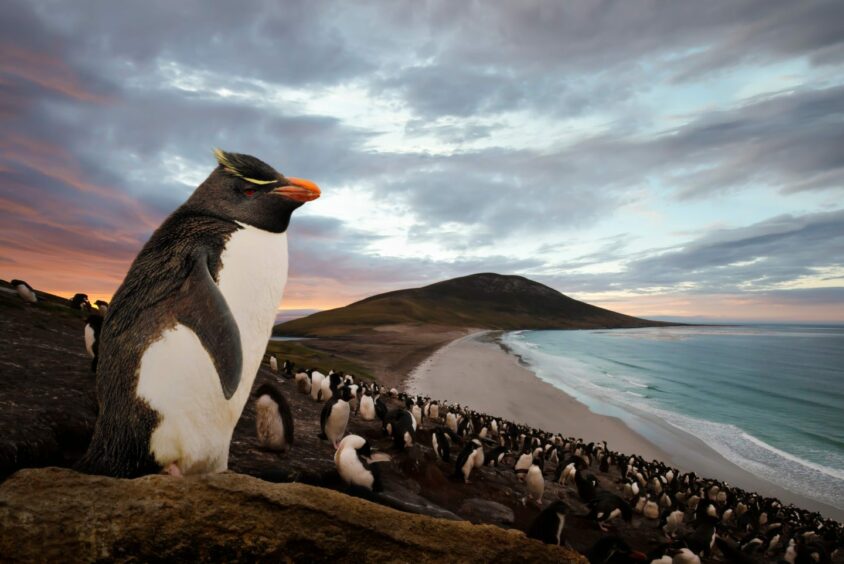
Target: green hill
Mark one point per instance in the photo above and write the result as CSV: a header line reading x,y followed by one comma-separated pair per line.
x,y
484,301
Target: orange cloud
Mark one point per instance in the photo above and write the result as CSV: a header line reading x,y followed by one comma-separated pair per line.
x,y
46,71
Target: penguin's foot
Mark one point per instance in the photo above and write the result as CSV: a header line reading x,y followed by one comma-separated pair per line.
x,y
173,470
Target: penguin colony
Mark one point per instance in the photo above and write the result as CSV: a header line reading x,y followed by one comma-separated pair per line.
x,y
697,519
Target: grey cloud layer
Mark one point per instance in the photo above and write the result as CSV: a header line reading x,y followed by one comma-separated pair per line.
x,y
91,88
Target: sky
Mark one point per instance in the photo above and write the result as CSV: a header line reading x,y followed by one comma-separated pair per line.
x,y
664,159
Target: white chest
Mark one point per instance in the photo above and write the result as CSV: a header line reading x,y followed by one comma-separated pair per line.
x,y
177,376
89,340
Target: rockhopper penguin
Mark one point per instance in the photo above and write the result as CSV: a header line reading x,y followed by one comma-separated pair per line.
x,y
186,331
273,419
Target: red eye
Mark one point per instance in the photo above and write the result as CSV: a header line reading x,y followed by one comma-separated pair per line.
x,y
249,192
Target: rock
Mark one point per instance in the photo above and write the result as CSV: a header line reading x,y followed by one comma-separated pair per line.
x,y
55,514
483,510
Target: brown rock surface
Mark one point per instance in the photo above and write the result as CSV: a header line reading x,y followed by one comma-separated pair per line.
x,y
54,514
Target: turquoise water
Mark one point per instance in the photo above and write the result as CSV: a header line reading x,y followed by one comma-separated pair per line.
x,y
768,398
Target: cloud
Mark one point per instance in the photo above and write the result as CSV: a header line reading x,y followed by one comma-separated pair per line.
x,y
487,136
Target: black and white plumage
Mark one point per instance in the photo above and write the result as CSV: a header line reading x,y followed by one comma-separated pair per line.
x,y
25,291
187,330
354,463
441,444
535,483
80,302
466,460
93,327
381,409
335,417
366,410
273,419
316,385
303,382
606,506
549,524
400,425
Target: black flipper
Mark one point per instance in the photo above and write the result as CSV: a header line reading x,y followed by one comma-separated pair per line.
x,y
202,308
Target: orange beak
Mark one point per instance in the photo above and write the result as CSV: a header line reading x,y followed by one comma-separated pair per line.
x,y
299,190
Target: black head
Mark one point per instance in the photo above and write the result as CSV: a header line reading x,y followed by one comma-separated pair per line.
x,y
365,450
245,189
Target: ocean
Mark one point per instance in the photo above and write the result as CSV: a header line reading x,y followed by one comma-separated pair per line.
x,y
769,398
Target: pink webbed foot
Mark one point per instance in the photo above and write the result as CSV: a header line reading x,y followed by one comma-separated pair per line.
x,y
173,470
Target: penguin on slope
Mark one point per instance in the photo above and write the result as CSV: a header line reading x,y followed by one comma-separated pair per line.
x,y
186,332
25,291
93,327
335,417
273,419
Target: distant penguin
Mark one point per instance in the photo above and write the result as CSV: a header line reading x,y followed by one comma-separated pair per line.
x,y
25,291
273,363
496,456
102,307
355,465
606,506
187,330
670,522
434,411
451,421
549,524
80,302
380,409
93,327
401,426
466,459
441,444
354,403
316,384
330,385
651,509
273,419
335,417
535,484
303,382
367,407
522,465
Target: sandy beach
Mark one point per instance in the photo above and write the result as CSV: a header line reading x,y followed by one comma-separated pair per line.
x,y
476,371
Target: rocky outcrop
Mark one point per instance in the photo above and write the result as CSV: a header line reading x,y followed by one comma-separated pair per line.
x,y
54,514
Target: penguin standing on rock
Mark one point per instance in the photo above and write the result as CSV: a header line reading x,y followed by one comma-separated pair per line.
x,y
273,363
80,302
93,327
335,417
367,407
273,419
303,382
355,464
549,524
187,330
316,385
25,291
466,460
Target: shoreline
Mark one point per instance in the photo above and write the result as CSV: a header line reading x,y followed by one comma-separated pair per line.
x,y
479,371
